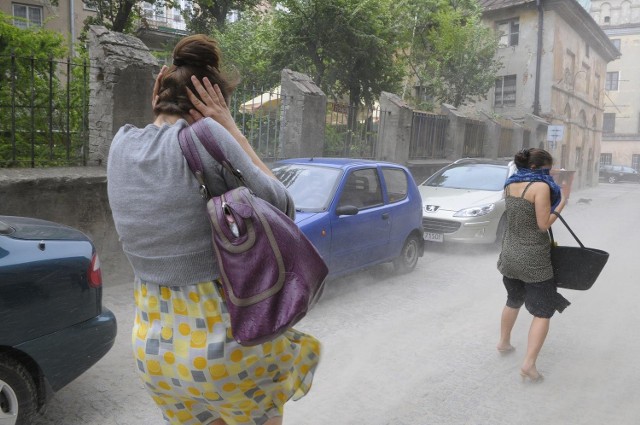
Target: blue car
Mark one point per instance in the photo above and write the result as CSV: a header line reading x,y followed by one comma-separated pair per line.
x,y
357,213
53,326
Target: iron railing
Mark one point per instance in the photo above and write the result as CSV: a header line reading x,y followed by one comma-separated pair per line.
x,y
352,131
258,114
428,135
474,135
504,148
43,111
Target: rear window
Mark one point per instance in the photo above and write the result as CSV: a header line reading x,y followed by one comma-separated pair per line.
x,y
470,176
397,184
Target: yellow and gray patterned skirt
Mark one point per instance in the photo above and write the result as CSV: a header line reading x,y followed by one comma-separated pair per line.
x,y
196,372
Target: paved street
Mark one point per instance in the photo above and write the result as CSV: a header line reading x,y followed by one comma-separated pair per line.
x,y
419,349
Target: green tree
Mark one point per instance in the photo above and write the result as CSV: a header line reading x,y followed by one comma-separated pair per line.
x,y
204,15
347,46
450,53
247,46
121,15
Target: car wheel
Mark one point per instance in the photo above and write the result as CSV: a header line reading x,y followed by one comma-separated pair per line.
x,y
18,393
612,179
409,255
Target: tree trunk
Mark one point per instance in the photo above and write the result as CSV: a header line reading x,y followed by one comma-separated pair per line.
x,y
122,18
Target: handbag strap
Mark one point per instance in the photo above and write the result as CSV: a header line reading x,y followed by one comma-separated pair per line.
x,y
206,138
568,228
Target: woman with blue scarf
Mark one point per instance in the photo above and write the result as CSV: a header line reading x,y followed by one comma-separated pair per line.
x,y
533,201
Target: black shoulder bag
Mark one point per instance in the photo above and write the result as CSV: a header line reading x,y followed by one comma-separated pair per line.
x,y
576,267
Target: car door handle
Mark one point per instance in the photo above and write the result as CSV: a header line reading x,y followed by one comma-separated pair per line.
x,y
385,216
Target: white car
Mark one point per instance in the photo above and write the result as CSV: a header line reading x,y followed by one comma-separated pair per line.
x,y
464,201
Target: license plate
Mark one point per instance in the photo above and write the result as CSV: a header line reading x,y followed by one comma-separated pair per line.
x,y
433,237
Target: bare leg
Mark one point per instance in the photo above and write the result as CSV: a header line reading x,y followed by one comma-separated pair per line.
x,y
537,334
509,316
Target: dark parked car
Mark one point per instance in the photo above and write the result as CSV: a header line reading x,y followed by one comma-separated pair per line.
x,y
357,213
53,326
618,173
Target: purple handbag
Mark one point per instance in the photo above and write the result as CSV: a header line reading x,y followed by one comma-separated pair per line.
x,y
271,273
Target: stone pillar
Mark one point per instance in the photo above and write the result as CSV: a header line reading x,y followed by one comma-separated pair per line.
x,y
394,133
304,111
454,146
121,83
492,139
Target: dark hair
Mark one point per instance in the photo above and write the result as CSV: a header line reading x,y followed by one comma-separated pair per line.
x,y
526,158
196,55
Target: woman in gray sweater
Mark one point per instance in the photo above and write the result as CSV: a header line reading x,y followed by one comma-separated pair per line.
x,y
184,349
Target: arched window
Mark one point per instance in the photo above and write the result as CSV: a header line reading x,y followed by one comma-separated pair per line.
x,y
605,13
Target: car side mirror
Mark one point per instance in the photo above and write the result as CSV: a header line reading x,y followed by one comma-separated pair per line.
x,y
347,210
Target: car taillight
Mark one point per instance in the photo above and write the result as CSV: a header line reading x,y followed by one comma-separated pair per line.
x,y
94,274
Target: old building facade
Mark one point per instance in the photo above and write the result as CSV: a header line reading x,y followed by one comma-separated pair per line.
x,y
554,59
620,20
67,18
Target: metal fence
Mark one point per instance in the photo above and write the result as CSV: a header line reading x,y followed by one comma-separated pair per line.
x,y
474,136
504,148
352,131
43,111
428,135
258,114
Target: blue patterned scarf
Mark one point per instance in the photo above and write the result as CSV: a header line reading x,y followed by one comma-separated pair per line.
x,y
538,175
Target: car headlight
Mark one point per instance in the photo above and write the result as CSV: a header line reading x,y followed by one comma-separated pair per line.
x,y
475,211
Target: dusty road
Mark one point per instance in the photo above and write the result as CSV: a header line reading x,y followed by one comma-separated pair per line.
x,y
419,349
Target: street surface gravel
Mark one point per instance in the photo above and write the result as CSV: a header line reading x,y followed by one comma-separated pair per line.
x,y
419,349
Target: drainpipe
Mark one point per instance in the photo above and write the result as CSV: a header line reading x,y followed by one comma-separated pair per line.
x,y
536,96
72,27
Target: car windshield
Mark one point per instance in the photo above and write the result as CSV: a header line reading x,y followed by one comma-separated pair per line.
x,y
311,186
470,176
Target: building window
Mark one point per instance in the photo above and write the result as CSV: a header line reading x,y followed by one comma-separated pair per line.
x,y
505,91
509,32
612,80
607,19
29,16
609,123
92,6
605,159
616,42
635,161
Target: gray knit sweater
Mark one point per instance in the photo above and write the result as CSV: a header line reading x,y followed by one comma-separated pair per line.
x,y
157,209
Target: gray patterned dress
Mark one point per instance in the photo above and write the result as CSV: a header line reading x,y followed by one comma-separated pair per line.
x,y
526,253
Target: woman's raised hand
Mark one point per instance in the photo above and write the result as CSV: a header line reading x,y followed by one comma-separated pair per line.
x,y
211,104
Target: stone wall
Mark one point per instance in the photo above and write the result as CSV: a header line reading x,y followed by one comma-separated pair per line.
x,y
74,196
304,108
121,83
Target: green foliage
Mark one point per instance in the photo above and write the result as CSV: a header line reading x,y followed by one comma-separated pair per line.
x,y
347,46
118,16
247,47
450,52
205,15
41,110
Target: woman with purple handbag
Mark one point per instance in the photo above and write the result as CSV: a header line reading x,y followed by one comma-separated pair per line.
x,y
185,351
